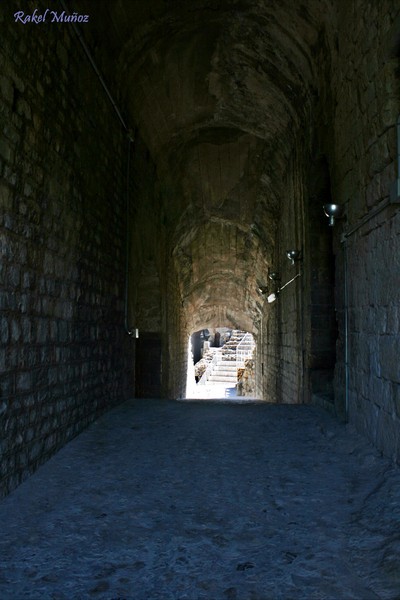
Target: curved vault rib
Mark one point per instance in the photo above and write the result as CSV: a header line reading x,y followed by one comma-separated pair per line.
x,y
218,91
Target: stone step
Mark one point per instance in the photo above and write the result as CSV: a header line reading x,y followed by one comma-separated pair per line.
x,y
223,373
221,379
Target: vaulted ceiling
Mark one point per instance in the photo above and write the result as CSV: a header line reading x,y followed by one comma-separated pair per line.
x,y
218,90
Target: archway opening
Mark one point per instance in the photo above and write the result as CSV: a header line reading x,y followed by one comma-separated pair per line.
x,y
221,364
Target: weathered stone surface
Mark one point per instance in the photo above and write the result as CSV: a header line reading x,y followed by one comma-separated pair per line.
x,y
61,222
248,501
389,352
250,116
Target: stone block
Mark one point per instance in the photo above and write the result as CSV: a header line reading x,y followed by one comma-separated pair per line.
x,y
42,331
15,331
6,198
4,329
388,434
389,352
7,385
6,89
396,399
13,276
26,330
393,319
6,150
24,381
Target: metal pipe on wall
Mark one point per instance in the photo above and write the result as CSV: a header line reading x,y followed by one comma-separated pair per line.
x,y
346,334
95,68
128,330
398,147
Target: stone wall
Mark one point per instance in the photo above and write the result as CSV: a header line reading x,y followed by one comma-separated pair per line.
x,y
281,350
175,355
146,242
64,355
362,161
155,305
354,117
319,265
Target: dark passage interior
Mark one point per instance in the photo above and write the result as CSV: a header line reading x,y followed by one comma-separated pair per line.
x,y
200,501
163,170
148,366
178,166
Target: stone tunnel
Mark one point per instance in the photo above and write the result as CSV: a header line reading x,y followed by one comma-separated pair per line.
x,y
158,160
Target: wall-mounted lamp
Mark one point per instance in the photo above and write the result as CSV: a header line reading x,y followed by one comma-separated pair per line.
x,y
274,276
273,297
333,211
133,332
294,256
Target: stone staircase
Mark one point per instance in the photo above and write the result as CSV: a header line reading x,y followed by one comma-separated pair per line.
x,y
228,350
225,371
225,365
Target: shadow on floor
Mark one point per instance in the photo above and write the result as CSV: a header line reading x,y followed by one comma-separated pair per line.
x,y
163,500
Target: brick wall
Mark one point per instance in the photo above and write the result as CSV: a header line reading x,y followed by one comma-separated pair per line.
x,y
64,355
